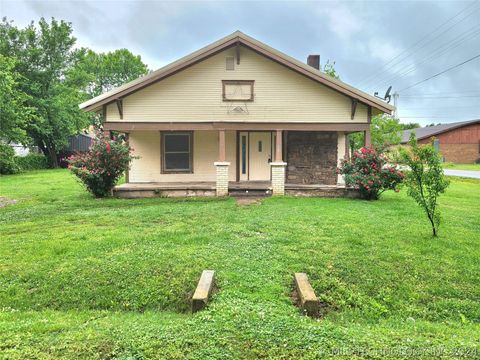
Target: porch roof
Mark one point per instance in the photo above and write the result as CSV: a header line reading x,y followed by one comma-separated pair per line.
x,y
124,126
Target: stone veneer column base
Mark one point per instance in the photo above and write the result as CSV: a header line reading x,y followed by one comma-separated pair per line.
x,y
222,177
278,177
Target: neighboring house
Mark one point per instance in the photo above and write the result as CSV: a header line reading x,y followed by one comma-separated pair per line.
x,y
234,116
457,142
19,149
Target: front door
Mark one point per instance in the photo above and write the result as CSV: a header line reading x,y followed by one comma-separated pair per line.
x,y
256,161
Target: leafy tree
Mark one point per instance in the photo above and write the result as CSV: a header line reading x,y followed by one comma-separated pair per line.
x,y
45,78
385,131
45,57
425,181
410,126
106,71
14,112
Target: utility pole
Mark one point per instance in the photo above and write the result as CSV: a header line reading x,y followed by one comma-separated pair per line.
x,y
395,103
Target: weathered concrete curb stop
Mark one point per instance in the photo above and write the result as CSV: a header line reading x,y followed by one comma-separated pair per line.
x,y
203,290
307,300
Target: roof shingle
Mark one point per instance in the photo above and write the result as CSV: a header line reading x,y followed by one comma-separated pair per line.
x,y
429,131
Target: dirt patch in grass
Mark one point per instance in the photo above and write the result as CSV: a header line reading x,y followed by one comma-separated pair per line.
x,y
249,200
6,201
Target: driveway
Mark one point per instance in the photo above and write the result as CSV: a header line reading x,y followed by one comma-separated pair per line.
x,y
463,173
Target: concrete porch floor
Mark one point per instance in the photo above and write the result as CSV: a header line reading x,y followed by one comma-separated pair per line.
x,y
207,188
210,185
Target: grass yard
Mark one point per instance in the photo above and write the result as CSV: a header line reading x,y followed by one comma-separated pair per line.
x,y
474,167
87,278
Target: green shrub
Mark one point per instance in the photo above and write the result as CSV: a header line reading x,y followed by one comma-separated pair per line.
x,y
7,160
32,162
102,165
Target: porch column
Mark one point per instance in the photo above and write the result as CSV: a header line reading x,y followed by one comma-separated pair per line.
x,y
221,166
278,167
367,141
127,170
341,154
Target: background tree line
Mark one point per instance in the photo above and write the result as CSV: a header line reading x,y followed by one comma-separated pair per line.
x,y
44,76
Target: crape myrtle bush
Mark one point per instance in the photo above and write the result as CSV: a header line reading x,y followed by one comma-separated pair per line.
x,y
369,172
102,165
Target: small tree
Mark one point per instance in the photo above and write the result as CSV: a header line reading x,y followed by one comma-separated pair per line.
x,y
425,181
102,165
369,172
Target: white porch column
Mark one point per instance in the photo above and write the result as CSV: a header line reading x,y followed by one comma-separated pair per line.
x,y
342,149
221,167
278,167
222,177
278,177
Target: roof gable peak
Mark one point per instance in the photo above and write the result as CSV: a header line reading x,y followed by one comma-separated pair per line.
x,y
235,38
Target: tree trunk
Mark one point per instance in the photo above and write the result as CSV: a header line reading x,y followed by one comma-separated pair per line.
x,y
52,155
434,230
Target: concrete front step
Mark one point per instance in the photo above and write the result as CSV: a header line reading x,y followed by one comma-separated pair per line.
x,y
250,192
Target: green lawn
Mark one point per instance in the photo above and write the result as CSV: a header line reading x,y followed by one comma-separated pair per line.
x,y
475,167
83,278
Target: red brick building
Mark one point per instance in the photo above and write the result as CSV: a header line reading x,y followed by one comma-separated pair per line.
x,y
457,142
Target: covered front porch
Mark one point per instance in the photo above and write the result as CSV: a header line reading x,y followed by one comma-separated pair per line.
x,y
236,159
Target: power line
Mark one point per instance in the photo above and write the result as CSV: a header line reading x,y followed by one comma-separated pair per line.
x,y
467,35
466,92
406,51
448,107
439,97
440,73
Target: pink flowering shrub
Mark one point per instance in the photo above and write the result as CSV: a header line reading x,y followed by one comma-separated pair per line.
x,y
102,165
369,172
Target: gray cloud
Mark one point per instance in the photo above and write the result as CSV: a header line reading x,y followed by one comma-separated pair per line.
x,y
359,36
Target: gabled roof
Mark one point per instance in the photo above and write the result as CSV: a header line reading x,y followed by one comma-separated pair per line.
x,y
429,131
236,39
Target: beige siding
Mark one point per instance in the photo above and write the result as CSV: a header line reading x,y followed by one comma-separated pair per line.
x,y
195,95
112,113
146,145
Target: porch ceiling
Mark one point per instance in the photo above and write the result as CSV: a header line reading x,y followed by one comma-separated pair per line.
x,y
182,126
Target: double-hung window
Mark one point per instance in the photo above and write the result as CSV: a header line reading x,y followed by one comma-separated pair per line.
x,y
177,148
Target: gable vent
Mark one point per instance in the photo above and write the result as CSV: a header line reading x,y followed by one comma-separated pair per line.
x,y
230,63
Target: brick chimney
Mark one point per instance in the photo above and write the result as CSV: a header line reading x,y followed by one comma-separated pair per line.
x,y
314,61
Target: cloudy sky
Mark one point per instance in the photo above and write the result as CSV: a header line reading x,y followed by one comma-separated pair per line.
x,y
374,44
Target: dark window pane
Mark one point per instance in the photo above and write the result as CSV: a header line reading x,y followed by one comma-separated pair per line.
x,y
177,142
244,154
177,161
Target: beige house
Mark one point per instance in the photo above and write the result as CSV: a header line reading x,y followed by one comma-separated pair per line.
x,y
236,116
